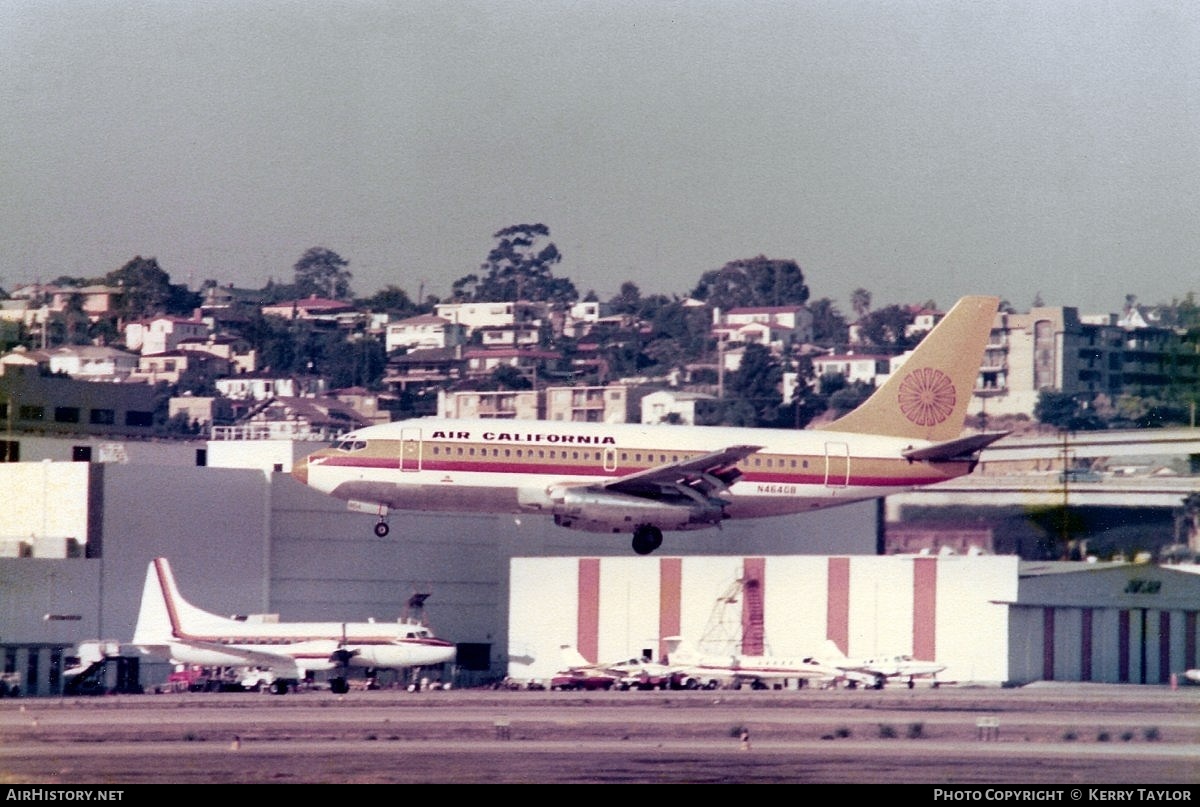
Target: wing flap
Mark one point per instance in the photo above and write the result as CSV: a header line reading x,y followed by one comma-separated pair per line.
x,y
704,475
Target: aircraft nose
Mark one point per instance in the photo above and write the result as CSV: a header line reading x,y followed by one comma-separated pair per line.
x,y
300,470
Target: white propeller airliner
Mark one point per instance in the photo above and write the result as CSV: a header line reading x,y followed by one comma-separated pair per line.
x,y
169,626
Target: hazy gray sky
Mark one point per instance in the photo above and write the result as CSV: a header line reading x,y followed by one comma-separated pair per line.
x,y
920,150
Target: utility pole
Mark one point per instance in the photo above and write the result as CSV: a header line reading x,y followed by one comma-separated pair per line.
x,y
1066,483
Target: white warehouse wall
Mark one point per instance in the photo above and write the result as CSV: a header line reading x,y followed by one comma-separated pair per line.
x,y
970,622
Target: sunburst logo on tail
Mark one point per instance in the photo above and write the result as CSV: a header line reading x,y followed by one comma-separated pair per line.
x,y
927,396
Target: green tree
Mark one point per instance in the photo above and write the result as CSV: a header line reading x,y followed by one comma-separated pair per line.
x,y
393,300
1065,411
75,321
886,327
759,281
849,397
756,381
628,300
860,302
145,289
322,272
358,362
829,326
519,267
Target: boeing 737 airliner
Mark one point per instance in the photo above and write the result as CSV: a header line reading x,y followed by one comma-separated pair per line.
x,y
643,479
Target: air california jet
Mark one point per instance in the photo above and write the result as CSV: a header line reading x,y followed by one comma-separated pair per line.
x,y
647,479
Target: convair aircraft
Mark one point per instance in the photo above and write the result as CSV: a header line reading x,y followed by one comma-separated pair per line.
x,y
644,480
171,627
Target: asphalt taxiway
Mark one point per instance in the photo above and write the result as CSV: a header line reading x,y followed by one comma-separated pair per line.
x,y
1061,734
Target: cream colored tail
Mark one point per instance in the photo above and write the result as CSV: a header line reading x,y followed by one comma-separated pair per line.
x,y
927,397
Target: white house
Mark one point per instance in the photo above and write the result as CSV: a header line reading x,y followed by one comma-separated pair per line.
x,y
91,363
868,368
163,334
583,316
666,406
258,387
424,331
481,315
792,321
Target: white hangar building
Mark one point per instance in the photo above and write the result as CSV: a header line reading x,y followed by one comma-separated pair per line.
x,y
989,619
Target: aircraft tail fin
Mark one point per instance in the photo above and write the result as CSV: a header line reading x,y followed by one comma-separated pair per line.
x,y
572,658
164,615
680,650
927,397
832,652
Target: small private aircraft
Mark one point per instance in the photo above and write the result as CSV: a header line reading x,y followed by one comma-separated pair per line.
x,y
877,671
170,627
646,479
634,673
696,670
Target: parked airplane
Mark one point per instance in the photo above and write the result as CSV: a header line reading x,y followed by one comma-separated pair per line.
x,y
696,670
879,670
645,479
634,673
170,626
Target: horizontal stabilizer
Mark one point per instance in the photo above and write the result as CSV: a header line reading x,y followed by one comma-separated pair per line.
x,y
960,449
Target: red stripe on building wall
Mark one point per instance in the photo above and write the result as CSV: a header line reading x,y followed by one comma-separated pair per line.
x,y
587,623
670,597
1085,645
1047,644
837,603
753,591
924,641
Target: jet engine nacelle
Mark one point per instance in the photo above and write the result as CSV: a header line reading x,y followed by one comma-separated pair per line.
x,y
607,511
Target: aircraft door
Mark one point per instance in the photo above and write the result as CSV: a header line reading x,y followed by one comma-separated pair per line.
x,y
837,465
410,449
610,459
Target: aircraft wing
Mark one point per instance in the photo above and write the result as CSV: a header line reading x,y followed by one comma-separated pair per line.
x,y
284,666
706,475
961,448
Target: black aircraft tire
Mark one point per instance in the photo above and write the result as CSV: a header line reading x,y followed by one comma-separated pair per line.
x,y
382,529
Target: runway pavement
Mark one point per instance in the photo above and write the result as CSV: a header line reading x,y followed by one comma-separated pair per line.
x,y
1061,734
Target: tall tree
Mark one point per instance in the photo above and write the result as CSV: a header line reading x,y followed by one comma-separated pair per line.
x,y
519,267
860,301
393,300
627,300
886,327
829,326
322,272
756,381
145,289
759,281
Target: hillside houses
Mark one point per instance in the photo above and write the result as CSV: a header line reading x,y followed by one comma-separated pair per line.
x,y
460,358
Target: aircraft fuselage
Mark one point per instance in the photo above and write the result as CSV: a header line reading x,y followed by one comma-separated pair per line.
x,y
561,469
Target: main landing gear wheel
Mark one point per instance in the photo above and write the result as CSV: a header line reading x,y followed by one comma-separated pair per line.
x,y
646,539
339,686
382,529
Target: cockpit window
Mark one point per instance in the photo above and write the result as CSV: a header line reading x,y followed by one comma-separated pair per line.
x,y
352,445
